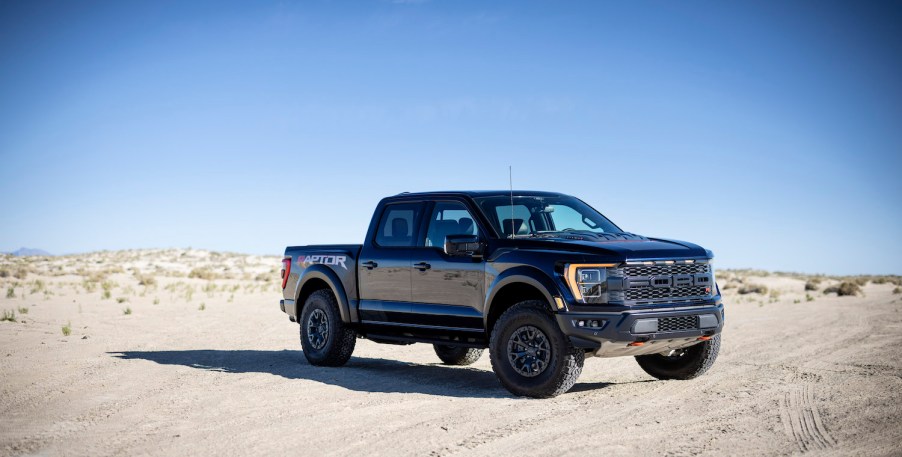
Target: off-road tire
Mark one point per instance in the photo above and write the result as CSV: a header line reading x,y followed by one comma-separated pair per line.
x,y
694,361
563,364
454,355
336,347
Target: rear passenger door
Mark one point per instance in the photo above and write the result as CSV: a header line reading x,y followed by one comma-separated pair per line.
x,y
447,291
383,270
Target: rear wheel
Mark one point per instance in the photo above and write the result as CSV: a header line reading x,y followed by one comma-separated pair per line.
x,y
453,355
686,363
325,339
531,355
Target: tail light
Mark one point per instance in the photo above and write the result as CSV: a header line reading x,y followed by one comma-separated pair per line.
x,y
286,270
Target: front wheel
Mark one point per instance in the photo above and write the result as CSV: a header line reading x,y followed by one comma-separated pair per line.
x,y
325,339
531,355
686,363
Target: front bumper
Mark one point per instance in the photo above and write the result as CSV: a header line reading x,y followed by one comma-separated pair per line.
x,y
610,334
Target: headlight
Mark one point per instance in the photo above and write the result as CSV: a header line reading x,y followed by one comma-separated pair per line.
x,y
588,282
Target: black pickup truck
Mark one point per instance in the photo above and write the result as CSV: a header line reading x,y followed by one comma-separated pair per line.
x,y
541,279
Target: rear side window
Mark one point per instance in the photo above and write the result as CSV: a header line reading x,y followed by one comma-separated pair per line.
x,y
398,224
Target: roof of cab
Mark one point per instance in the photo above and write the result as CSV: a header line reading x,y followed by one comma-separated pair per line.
x,y
478,193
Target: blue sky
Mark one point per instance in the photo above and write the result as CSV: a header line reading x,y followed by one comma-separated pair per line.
x,y
769,132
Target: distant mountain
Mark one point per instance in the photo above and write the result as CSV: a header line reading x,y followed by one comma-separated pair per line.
x,y
25,252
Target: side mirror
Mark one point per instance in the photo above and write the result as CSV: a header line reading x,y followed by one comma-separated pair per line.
x,y
463,246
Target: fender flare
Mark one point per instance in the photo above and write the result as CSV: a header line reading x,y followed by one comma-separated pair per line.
x,y
331,279
523,275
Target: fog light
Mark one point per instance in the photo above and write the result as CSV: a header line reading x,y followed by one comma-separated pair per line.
x,y
593,324
581,323
707,321
645,326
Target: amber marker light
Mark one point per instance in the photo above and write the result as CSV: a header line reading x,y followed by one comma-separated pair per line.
x,y
570,275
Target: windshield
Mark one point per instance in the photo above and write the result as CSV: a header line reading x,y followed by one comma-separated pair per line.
x,y
536,216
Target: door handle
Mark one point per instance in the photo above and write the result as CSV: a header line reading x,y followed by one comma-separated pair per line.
x,y
422,266
369,265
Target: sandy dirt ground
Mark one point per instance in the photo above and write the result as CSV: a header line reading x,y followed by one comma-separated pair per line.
x,y
200,361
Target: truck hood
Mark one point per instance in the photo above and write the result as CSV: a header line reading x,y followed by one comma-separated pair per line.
x,y
621,247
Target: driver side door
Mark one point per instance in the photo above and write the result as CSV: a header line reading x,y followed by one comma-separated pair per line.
x,y
447,291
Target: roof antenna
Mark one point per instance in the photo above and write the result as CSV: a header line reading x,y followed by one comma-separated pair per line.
x,y
510,175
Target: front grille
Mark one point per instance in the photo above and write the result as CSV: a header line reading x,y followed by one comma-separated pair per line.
x,y
646,284
677,324
656,270
651,293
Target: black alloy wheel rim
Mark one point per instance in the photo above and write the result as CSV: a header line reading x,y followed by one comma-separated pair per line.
x,y
317,329
528,351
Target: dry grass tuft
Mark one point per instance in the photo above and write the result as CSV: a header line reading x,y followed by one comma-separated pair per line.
x,y
752,289
9,315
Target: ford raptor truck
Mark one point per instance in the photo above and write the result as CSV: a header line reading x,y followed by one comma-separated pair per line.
x,y
541,279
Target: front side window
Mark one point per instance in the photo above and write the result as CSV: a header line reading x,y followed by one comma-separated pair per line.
x,y
398,224
448,218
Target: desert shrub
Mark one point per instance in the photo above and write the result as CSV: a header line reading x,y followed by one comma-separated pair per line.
x,y
37,286
121,299
67,329
4,273
812,284
90,286
202,307
145,280
844,289
808,297
202,273
156,301
21,273
752,289
127,310
8,315
859,280
23,310
897,290
10,292
262,277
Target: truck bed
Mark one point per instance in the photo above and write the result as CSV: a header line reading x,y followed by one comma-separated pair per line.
x,y
340,259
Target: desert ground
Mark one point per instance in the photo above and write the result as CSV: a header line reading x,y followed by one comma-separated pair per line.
x,y
185,352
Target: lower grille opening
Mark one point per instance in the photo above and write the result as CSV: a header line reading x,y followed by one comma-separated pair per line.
x,y
677,324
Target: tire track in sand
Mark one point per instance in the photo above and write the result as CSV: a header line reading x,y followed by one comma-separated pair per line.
x,y
802,421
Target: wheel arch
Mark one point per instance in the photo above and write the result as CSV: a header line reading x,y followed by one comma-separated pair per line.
x,y
317,277
514,286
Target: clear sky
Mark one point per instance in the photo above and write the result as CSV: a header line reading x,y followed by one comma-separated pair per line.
x,y
769,132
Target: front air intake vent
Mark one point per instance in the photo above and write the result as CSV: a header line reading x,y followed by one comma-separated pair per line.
x,y
677,324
